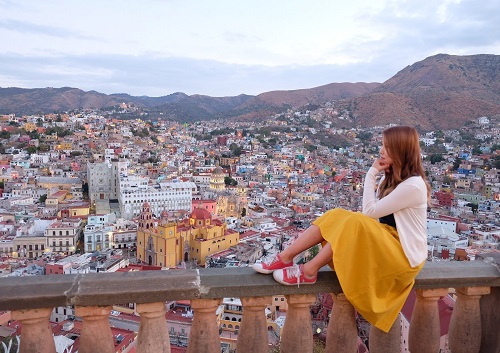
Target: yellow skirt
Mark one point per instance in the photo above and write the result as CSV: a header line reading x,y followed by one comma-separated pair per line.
x,y
372,269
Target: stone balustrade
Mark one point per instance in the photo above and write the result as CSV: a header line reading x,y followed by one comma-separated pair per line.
x,y
473,328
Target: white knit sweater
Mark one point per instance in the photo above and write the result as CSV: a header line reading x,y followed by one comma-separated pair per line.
x,y
408,203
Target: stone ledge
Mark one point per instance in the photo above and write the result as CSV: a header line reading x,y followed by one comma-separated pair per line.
x,y
157,286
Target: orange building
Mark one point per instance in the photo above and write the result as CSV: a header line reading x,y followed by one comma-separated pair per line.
x,y
168,243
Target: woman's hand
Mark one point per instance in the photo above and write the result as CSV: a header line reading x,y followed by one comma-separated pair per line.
x,y
381,165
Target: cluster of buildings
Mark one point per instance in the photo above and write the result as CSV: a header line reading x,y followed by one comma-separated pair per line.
x,y
81,192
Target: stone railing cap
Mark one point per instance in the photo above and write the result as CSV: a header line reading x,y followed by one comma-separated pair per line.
x,y
157,286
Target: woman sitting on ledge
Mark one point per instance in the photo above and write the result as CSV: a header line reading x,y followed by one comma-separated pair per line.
x,y
377,253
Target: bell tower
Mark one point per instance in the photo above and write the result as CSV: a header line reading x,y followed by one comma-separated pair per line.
x,y
146,217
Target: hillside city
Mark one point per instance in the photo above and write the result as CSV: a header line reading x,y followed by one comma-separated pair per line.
x,y
92,192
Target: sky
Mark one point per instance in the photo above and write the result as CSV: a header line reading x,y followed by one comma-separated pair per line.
x,y
230,47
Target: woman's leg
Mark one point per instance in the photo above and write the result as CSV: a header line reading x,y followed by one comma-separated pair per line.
x,y
310,237
324,256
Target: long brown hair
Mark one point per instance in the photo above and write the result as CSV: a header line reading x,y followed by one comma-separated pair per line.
x,y
402,145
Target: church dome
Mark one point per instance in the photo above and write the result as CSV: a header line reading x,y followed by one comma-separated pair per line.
x,y
201,214
218,171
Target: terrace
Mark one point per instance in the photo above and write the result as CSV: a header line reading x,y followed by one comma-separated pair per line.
x,y
31,300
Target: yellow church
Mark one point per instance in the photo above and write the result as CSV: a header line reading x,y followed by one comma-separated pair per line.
x,y
166,243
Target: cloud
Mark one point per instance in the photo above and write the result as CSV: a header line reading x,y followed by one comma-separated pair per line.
x,y
31,28
156,76
143,51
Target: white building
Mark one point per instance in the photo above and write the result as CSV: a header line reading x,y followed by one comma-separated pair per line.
x,y
164,196
98,232
39,159
439,238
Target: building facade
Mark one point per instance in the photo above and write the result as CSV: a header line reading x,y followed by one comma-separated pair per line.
x,y
169,243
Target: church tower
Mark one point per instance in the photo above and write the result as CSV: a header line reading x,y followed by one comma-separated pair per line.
x,y
146,217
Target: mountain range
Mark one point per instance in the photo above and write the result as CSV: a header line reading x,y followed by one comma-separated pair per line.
x,y
440,92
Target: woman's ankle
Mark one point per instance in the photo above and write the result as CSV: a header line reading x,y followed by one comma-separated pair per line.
x,y
286,258
309,271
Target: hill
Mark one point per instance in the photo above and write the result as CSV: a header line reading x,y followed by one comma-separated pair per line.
x,y
439,92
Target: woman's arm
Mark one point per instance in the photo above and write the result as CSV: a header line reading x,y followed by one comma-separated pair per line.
x,y
403,196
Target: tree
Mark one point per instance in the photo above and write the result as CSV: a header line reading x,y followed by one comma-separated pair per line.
x,y
230,181
473,206
447,179
436,158
365,136
457,163
42,198
31,149
476,150
44,147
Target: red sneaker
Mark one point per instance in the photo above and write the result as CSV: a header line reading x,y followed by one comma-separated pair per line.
x,y
293,275
274,264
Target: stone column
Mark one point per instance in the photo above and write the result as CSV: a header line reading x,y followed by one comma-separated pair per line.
x,y
465,324
425,330
96,333
252,337
153,333
204,335
342,332
36,334
490,321
297,336
390,342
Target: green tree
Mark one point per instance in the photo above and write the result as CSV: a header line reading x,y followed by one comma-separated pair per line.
x,y
42,198
230,181
447,180
31,149
44,147
436,158
365,136
476,150
310,147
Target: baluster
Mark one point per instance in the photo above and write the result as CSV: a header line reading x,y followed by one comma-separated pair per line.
x,y
342,332
253,337
153,333
297,334
490,314
390,342
204,336
425,331
465,324
36,334
96,333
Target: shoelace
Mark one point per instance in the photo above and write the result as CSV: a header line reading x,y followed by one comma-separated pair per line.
x,y
294,271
